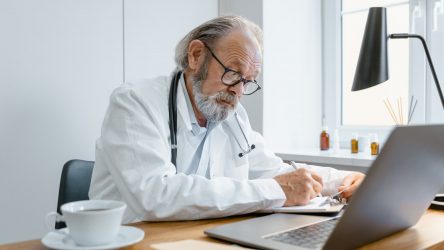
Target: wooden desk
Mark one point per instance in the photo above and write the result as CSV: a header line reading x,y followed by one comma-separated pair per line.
x,y
428,233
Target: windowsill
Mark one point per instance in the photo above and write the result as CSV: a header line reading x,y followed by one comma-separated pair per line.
x,y
315,156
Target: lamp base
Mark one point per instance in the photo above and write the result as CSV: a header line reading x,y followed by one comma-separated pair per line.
x,y
438,202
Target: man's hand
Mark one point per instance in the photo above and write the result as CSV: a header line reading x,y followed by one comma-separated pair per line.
x,y
299,186
351,182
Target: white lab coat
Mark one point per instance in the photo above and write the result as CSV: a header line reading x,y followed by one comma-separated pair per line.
x,y
133,161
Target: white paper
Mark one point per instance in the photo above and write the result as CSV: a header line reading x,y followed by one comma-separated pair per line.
x,y
318,204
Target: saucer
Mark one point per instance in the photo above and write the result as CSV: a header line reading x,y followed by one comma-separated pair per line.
x,y
127,236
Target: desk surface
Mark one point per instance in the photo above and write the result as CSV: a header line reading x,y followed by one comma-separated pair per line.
x,y
428,233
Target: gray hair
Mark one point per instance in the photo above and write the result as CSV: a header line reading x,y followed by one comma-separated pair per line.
x,y
210,32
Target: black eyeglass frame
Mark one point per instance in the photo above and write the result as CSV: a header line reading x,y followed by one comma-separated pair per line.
x,y
226,70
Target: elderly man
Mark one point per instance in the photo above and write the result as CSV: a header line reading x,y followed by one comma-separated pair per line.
x,y
181,147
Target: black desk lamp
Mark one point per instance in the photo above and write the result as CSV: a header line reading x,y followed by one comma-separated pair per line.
x,y
372,68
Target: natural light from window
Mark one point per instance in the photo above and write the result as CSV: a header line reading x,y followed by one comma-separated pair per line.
x,y
367,107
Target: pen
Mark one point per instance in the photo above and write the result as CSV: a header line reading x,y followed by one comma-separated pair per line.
x,y
336,196
293,164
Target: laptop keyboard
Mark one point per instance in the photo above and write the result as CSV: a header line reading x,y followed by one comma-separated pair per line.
x,y
313,236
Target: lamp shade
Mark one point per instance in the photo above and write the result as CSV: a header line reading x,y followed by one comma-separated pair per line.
x,y
372,67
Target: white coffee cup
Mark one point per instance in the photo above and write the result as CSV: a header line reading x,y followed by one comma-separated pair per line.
x,y
91,222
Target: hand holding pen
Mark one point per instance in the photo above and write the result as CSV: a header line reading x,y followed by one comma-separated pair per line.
x,y
348,186
299,186
293,164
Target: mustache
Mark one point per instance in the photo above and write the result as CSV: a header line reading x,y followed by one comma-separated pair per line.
x,y
226,97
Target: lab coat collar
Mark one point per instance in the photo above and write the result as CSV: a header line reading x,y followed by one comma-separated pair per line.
x,y
182,105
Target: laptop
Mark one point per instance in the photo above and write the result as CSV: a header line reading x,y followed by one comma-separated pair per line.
x,y
399,187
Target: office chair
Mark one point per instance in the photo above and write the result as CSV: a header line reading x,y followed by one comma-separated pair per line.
x,y
74,184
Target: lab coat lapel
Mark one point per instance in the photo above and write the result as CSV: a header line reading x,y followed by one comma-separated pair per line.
x,y
184,113
218,151
182,106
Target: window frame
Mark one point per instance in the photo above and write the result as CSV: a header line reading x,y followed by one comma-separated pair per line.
x,y
332,72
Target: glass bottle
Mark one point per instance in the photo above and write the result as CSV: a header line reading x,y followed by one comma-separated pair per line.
x,y
374,146
354,144
325,139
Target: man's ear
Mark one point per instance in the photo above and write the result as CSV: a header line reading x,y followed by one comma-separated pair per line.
x,y
196,54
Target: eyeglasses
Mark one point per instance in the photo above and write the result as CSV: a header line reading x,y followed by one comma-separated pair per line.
x,y
231,77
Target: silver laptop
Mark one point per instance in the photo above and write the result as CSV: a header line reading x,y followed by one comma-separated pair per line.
x,y
398,188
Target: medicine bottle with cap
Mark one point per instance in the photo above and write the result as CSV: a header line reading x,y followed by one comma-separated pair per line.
x,y
354,144
325,139
374,146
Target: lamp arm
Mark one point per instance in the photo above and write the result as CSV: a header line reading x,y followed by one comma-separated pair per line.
x,y
429,58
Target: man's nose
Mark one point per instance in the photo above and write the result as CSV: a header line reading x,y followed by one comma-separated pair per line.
x,y
237,89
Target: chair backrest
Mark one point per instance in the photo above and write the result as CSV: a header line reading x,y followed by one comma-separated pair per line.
x,y
74,184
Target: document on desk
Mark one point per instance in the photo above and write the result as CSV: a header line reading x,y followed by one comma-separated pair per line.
x,y
316,205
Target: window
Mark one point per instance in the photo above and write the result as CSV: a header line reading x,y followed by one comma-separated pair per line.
x,y
367,108
364,111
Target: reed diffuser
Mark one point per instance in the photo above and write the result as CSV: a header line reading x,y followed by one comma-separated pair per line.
x,y
397,114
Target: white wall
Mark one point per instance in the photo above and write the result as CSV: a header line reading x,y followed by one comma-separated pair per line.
x,y
153,30
292,73
59,61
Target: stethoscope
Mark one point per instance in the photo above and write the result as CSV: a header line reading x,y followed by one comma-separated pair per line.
x,y
172,105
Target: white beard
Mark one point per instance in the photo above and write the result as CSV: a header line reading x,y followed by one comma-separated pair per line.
x,y
208,104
